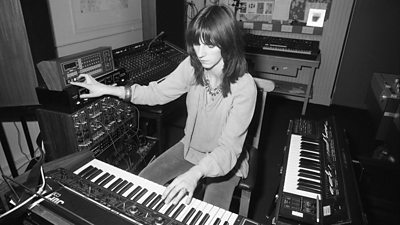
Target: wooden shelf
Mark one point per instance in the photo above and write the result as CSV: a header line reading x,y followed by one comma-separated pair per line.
x,y
278,27
290,88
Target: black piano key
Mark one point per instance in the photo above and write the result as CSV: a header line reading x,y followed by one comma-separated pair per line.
x,y
310,147
170,209
309,181
196,218
94,174
309,139
149,198
101,178
178,211
309,185
304,161
226,223
308,166
155,201
120,186
105,181
133,192
217,221
85,170
159,206
309,155
141,193
310,172
114,184
205,219
310,142
126,187
188,215
307,189
306,175
88,172
310,162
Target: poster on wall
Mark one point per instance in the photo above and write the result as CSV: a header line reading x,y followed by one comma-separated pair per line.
x,y
90,14
310,12
76,21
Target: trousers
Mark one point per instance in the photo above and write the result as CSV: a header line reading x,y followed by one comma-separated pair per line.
x,y
170,164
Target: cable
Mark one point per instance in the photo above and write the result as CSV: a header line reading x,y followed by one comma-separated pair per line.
x,y
38,193
8,184
154,39
19,141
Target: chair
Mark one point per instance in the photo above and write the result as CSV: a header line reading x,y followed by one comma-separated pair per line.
x,y
246,186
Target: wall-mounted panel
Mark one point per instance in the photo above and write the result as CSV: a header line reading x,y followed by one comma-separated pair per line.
x,y
76,23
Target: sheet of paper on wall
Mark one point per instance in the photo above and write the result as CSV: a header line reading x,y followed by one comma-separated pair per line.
x,y
316,17
256,10
281,10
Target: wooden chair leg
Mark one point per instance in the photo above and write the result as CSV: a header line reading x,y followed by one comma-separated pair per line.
x,y
244,203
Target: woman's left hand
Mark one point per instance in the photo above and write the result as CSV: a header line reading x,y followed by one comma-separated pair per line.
x,y
183,184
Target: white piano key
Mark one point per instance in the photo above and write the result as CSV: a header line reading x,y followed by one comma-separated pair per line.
x,y
154,202
183,213
292,168
108,184
98,176
123,174
200,208
193,204
80,169
311,142
213,211
232,218
310,179
165,208
308,151
141,200
127,192
175,212
225,217
206,210
218,215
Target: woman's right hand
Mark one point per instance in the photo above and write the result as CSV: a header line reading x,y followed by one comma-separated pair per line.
x,y
96,89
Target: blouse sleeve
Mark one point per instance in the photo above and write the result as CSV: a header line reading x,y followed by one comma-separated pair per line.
x,y
167,90
224,157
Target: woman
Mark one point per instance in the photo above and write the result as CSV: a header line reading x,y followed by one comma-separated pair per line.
x,y
221,98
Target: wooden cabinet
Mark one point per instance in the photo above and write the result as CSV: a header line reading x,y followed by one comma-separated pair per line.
x,y
292,76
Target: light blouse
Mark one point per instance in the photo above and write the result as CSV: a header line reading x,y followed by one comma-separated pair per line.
x,y
215,130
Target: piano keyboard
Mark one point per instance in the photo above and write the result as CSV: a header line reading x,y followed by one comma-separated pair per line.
x,y
280,46
315,172
303,176
136,199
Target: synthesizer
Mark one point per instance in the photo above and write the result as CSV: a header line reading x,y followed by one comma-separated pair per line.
x,y
69,101
58,73
280,46
106,123
318,183
147,61
99,193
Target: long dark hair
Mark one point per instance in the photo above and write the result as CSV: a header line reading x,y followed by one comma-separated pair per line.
x,y
216,25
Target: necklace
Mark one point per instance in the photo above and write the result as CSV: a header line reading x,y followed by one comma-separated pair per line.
x,y
212,91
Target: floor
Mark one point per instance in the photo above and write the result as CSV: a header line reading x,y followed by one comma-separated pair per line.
x,y
376,178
